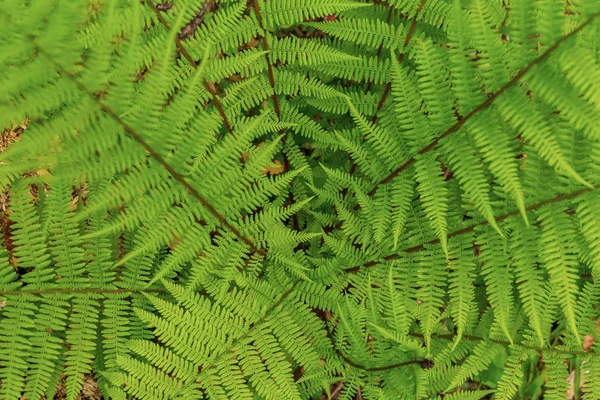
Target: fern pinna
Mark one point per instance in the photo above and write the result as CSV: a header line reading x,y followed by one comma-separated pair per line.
x,y
301,199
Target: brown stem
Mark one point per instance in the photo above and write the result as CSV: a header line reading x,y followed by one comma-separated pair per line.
x,y
471,228
154,154
269,65
451,337
380,49
375,369
271,76
74,291
470,115
194,64
338,388
483,105
359,395
507,343
409,36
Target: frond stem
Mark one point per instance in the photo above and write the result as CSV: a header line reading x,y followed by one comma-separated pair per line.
x,y
380,49
409,35
507,343
471,228
75,291
375,369
388,86
485,104
194,64
154,154
451,337
269,65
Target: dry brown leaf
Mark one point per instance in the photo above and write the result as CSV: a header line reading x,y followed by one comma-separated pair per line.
x,y
251,43
571,380
12,134
276,170
588,341
8,136
90,390
235,78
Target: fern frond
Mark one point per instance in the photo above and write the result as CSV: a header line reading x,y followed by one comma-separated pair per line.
x,y
291,12
364,32
559,258
482,356
497,271
433,195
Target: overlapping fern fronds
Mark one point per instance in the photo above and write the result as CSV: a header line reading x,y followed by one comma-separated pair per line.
x,y
232,200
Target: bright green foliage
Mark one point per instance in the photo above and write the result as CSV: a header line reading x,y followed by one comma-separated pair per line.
x,y
289,199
